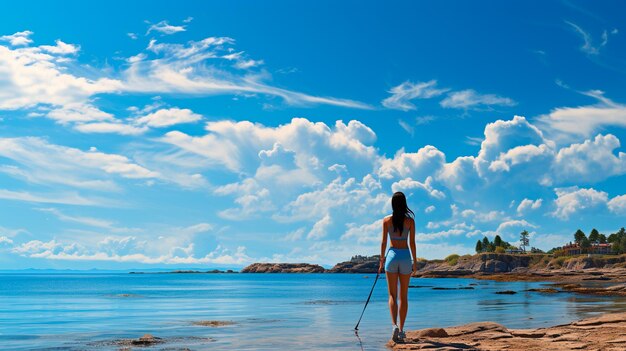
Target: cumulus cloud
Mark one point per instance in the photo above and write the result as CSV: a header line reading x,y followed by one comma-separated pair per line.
x,y
572,200
364,233
236,145
591,161
18,38
426,161
320,228
618,204
528,204
409,184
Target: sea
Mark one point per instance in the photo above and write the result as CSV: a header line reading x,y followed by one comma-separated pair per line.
x,y
98,311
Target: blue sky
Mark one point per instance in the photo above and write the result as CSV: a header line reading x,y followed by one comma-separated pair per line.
x,y
136,134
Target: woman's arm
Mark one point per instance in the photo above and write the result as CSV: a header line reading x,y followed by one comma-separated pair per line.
x,y
383,246
412,244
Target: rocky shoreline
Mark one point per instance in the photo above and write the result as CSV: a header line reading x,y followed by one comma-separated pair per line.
x,y
596,275
606,332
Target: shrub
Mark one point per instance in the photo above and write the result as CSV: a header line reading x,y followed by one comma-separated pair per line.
x,y
452,259
500,249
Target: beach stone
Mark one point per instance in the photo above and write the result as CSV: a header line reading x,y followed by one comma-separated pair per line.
x,y
432,333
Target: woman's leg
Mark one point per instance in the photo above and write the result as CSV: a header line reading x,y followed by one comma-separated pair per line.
x,y
404,298
392,285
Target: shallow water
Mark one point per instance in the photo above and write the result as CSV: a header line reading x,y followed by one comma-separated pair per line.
x,y
270,311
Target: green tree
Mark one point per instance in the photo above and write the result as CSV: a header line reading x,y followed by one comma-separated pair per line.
x,y
594,236
579,236
479,246
524,241
602,239
485,244
585,245
497,241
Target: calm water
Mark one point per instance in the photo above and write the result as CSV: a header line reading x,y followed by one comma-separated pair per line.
x,y
271,311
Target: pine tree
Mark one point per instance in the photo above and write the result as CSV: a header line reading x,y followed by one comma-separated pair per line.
x,y
479,246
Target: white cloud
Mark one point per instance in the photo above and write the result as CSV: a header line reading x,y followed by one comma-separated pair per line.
x,y
408,184
187,68
572,200
402,94
618,204
438,235
169,117
567,123
106,127
61,48
18,38
56,198
426,161
429,209
253,200
470,99
164,27
515,223
78,112
364,233
236,145
588,46
528,204
40,162
128,249
591,161
320,228
35,76
5,241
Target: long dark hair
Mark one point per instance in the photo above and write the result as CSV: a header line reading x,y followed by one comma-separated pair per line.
x,y
400,211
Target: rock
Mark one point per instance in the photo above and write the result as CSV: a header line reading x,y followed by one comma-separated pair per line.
x,y
358,264
432,333
213,323
605,332
283,268
544,290
476,328
506,292
146,340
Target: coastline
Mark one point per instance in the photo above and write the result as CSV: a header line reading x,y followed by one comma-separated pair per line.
x,y
605,332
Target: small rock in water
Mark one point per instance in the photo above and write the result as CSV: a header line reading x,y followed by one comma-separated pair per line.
x,y
213,323
506,292
147,340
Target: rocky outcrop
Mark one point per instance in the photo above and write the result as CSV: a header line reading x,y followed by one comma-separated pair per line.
x,y
481,263
358,264
283,268
600,333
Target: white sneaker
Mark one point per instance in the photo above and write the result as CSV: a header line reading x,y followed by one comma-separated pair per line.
x,y
395,332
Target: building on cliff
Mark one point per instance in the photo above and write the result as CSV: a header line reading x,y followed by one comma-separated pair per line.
x,y
596,249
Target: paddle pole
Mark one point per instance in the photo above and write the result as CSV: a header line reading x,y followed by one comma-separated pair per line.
x,y
356,328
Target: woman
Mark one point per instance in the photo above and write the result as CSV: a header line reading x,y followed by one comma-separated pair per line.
x,y
400,226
